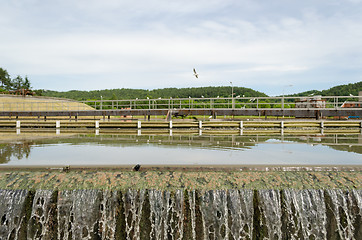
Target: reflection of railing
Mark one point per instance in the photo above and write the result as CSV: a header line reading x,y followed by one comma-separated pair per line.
x,y
233,141
229,103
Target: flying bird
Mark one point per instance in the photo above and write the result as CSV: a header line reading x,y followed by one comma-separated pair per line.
x,y
196,74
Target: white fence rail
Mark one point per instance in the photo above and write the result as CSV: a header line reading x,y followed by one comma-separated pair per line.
x,y
328,102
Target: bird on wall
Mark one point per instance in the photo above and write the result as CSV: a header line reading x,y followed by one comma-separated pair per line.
x,y
196,74
137,167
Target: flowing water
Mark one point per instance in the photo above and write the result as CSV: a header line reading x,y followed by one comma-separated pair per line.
x,y
155,214
183,214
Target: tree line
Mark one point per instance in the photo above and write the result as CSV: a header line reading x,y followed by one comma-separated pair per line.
x,y
195,92
124,93
340,90
8,84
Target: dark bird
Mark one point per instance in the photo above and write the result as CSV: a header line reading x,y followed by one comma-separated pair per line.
x,y
137,167
196,74
66,168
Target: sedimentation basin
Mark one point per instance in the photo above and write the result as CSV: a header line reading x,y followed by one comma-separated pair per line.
x,y
204,202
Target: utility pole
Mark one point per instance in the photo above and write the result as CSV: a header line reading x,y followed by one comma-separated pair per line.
x,y
101,103
232,95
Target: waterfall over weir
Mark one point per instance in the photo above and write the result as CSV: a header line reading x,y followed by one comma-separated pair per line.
x,y
155,214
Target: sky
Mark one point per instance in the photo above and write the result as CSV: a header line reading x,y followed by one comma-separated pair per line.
x,y
276,47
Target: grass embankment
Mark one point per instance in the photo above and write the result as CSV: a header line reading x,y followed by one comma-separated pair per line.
x,y
29,103
170,180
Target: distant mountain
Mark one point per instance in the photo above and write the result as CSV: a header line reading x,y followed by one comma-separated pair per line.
x,y
124,93
340,90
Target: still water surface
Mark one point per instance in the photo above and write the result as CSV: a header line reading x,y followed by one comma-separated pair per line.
x,y
184,150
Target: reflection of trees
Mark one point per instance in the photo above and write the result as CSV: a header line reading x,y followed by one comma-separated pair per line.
x,y
355,149
18,150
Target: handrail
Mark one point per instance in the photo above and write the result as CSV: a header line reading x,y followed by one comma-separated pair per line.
x,y
311,102
233,103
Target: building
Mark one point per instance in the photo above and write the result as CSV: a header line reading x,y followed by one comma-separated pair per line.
x,y
311,102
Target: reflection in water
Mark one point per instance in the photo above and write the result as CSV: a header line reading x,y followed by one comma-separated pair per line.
x,y
273,147
17,150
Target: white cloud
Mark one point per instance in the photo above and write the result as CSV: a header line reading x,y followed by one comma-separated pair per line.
x,y
152,42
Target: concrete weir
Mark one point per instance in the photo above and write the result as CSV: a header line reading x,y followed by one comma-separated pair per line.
x,y
181,214
244,203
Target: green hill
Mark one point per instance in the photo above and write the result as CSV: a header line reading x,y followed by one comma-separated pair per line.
x,y
340,90
124,93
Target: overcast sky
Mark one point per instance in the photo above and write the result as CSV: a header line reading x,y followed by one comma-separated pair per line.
x,y
264,45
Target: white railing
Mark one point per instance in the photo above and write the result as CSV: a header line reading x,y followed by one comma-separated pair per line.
x,y
335,102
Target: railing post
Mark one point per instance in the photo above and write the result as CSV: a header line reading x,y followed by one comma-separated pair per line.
x,y
170,124
139,124
241,124
18,124
200,124
57,124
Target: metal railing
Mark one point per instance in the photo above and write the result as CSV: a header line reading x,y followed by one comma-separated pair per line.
x,y
335,102
329,102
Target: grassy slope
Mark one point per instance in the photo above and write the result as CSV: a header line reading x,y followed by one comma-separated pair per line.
x,y
14,103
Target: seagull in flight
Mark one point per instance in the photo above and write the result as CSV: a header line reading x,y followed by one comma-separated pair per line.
x,y
196,74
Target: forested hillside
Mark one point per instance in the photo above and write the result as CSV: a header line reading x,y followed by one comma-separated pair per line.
x,y
124,93
341,90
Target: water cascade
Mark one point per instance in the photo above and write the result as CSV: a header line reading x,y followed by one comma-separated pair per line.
x,y
181,214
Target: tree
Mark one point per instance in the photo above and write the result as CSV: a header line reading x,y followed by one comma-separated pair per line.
x,y
5,79
18,83
13,84
26,84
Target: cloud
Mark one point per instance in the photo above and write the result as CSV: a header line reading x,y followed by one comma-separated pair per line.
x,y
149,43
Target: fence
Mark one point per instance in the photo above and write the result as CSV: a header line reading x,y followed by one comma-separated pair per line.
x,y
233,103
329,102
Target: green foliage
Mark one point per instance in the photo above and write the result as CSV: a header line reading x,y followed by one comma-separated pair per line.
x,y
124,93
4,78
340,90
39,92
13,84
